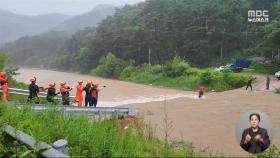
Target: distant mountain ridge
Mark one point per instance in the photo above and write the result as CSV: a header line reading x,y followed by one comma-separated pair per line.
x,y
91,18
13,26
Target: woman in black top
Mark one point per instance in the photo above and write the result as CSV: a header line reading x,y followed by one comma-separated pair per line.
x,y
255,139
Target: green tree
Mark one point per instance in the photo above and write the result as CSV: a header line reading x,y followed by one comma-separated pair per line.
x,y
3,60
110,66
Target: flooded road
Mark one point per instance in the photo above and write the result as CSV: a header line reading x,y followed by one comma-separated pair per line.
x,y
209,123
116,92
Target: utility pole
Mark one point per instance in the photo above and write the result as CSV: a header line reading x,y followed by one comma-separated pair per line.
x,y
222,52
149,56
206,24
278,56
222,45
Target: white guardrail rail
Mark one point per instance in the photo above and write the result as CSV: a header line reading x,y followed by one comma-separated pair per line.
x,y
97,111
58,149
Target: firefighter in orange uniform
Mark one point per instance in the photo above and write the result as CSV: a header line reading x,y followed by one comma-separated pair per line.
x,y
79,93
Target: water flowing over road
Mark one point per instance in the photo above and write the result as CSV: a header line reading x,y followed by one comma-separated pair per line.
x,y
116,93
208,123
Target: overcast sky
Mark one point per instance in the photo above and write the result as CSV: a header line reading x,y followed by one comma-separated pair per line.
x,y
69,7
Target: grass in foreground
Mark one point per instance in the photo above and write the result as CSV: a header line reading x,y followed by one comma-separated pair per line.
x,y
89,137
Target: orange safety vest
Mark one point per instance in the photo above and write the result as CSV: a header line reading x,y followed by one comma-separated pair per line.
x,y
79,95
5,88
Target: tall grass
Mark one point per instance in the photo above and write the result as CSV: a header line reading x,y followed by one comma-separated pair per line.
x,y
89,137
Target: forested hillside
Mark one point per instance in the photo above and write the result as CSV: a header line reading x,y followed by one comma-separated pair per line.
x,y
37,50
203,32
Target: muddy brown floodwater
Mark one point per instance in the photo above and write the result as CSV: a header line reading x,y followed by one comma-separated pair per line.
x,y
208,123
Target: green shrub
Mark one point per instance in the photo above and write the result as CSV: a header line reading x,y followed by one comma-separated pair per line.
x,y
206,77
273,151
128,72
235,80
176,67
3,60
156,69
110,66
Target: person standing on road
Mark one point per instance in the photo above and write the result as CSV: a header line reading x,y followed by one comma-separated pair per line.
x,y
267,82
51,93
94,94
79,93
3,78
33,91
5,89
65,93
88,89
249,83
201,91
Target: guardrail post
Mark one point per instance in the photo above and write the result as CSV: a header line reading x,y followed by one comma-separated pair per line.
x,y
61,145
47,150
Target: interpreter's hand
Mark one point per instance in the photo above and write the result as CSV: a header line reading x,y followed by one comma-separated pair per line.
x,y
258,138
247,138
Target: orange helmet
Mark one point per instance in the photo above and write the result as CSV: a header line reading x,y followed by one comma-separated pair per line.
x,y
51,84
89,82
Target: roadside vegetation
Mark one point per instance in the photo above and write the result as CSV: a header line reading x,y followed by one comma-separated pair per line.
x,y
176,73
88,137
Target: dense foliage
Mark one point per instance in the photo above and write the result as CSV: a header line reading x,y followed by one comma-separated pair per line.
x,y
205,32
176,73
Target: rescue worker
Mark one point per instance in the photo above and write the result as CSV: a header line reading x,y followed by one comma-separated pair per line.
x,y
65,93
51,92
5,88
94,94
201,91
79,93
267,82
249,83
88,89
33,91
3,78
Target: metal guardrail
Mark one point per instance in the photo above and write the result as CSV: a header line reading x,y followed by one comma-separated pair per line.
x,y
100,111
71,109
46,150
25,92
